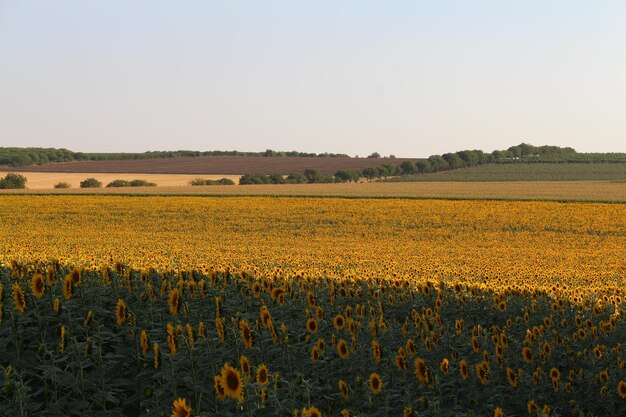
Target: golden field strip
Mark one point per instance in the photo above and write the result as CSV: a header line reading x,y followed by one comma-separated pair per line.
x,y
364,237
310,307
516,190
47,180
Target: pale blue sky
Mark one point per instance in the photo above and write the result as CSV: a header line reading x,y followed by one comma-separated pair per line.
x,y
410,78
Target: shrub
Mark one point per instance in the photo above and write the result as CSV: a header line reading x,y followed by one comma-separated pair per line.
x,y
118,183
221,181
62,184
142,183
90,183
13,181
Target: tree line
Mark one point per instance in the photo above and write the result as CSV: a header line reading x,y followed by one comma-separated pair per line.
x,y
18,157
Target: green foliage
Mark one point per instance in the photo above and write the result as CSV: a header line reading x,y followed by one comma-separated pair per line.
x,y
13,181
347,176
526,172
18,157
62,185
126,183
221,181
90,183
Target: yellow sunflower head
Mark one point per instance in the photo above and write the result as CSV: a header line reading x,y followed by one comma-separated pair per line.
x,y
232,383
376,383
180,408
37,285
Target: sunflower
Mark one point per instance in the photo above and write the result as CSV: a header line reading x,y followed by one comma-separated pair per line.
x,y
75,276
145,342
19,300
532,407
67,287
444,366
311,412
246,333
527,355
343,388
376,384
401,360
555,375
121,311
201,331
407,412
376,351
265,316
244,364
339,322
232,383
345,413
321,344
342,349
410,347
604,376
262,374
547,410
62,341
219,388
155,349
421,370
180,408
311,326
498,412
512,377
621,389
464,369
315,354
37,285
219,326
482,371
174,301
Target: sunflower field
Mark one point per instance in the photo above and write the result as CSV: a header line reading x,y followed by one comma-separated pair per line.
x,y
265,306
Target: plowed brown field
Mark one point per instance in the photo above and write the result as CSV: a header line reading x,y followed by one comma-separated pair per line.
x,y
216,165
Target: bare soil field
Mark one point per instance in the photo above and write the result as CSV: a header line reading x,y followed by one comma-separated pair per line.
x,y
46,180
216,165
517,190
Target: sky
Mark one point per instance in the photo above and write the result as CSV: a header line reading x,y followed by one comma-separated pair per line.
x,y
408,78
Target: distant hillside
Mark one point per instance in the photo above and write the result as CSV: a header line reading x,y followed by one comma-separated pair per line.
x,y
218,165
537,171
16,157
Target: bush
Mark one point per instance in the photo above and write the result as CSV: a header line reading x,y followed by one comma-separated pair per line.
x,y
142,183
13,181
90,183
221,181
62,185
118,183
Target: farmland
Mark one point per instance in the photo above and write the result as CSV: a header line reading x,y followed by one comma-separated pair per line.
x,y
215,165
277,306
566,171
609,191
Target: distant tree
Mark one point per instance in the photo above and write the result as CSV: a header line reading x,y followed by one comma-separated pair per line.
x,y
62,185
277,179
115,183
437,163
369,173
453,160
296,178
408,168
423,166
312,175
347,176
374,155
90,183
142,183
13,181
